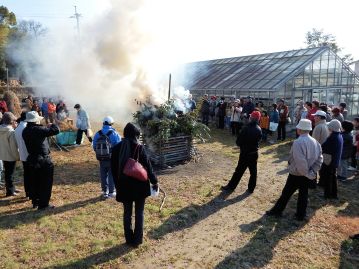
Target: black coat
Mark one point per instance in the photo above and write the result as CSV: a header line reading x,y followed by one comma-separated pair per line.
x,y
35,135
249,137
205,107
347,145
128,188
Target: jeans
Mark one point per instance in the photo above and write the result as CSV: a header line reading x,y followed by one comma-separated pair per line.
x,y
281,130
107,184
9,172
133,236
205,117
343,168
248,160
293,183
79,136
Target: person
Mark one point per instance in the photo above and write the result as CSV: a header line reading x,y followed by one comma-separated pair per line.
x,y
236,110
61,107
332,150
130,190
3,106
41,168
337,115
347,127
283,118
308,107
248,107
324,107
107,135
320,132
222,105
190,103
51,108
23,151
274,118
35,107
305,159
312,111
9,153
264,124
212,108
343,110
45,110
353,165
205,109
83,124
298,112
248,142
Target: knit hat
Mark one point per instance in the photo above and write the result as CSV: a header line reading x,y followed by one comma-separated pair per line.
x,y
256,115
305,125
335,126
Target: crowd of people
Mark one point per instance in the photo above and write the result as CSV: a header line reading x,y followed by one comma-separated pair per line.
x,y
25,139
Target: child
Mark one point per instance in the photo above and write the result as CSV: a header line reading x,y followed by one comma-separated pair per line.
x,y
264,124
353,166
347,127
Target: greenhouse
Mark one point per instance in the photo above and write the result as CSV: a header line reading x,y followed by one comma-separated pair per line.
x,y
306,74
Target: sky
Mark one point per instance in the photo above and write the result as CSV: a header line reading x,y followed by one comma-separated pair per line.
x,y
190,30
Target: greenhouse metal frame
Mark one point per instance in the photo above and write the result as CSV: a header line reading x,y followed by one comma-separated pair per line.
x,y
305,74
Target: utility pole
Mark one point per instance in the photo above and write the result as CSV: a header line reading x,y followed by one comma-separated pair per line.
x,y
7,79
77,17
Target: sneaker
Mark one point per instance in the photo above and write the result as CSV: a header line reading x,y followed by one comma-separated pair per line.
x,y
112,195
226,188
351,168
105,195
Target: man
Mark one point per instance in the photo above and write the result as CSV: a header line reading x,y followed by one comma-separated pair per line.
x,y
9,153
83,124
304,162
205,109
191,104
23,151
45,110
248,107
41,168
283,117
320,132
103,142
248,142
222,106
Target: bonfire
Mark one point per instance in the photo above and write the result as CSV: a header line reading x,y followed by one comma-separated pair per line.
x,y
168,132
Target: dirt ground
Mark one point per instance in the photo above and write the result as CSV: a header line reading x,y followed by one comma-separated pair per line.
x,y
199,227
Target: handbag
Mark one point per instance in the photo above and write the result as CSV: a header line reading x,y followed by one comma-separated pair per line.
x,y
273,126
134,169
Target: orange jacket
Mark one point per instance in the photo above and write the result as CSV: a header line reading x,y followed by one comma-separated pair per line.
x,y
264,122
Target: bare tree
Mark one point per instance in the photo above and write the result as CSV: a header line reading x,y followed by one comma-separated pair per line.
x,y
32,28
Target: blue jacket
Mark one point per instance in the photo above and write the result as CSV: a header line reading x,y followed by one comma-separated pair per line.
x,y
333,146
115,138
45,108
274,116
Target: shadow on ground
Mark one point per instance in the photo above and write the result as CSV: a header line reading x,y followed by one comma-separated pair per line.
x,y
190,215
96,259
10,221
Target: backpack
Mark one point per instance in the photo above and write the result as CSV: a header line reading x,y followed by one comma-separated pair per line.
x,y
103,147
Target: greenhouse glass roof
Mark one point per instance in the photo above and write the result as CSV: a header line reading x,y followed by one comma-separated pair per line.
x,y
256,72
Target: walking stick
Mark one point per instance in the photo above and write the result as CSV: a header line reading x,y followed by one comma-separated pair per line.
x,y
163,199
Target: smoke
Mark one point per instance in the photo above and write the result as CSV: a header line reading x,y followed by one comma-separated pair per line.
x,y
104,70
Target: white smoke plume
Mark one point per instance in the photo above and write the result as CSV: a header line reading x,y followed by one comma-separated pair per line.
x,y
104,70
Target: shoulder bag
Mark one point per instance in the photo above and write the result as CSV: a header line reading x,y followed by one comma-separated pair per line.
x,y
134,169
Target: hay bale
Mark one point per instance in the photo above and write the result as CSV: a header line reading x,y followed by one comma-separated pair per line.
x,y
13,103
66,126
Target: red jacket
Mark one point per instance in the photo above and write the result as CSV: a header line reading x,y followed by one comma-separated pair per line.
x,y
3,107
309,115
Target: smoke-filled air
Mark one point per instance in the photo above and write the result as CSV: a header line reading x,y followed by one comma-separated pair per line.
x,y
105,69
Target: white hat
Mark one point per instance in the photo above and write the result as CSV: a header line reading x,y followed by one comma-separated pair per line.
x,y
33,116
305,125
334,125
108,119
320,113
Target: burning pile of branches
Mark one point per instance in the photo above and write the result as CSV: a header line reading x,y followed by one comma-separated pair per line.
x,y
158,123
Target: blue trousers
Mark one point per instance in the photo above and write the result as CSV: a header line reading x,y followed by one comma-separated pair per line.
x,y
107,184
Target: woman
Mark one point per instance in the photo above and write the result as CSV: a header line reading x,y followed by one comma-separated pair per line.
x,y
131,190
235,117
